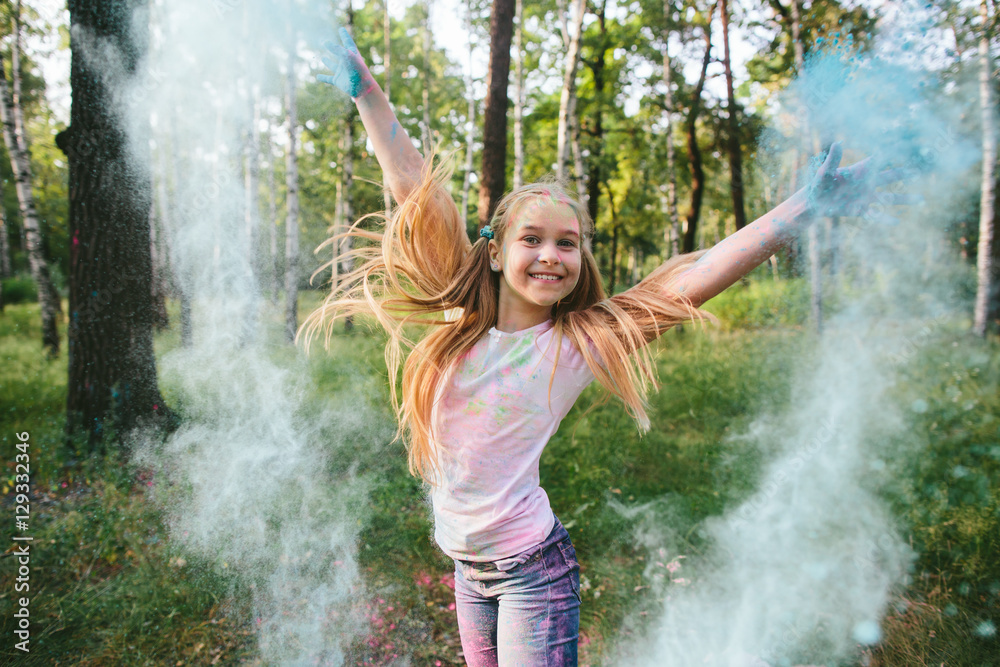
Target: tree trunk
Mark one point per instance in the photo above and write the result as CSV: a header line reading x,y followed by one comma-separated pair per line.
x,y
292,220
733,139
164,268
158,282
815,267
251,207
596,175
672,232
346,212
697,171
272,210
985,271
470,123
4,251
387,59
426,136
567,100
614,241
5,266
518,95
14,136
493,172
579,172
181,275
112,370
251,215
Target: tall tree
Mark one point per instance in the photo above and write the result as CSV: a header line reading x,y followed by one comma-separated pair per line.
x,y
158,267
815,268
274,274
518,94
470,122
596,65
732,135
493,173
567,100
5,266
672,231
573,118
425,29
292,200
12,116
985,271
346,203
112,370
387,61
694,153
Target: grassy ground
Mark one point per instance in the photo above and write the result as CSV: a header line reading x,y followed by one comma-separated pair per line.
x,y
108,587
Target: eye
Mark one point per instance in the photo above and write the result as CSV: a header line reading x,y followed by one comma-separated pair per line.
x,y
567,243
530,239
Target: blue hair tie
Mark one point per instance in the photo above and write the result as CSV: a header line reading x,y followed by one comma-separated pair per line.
x,y
486,232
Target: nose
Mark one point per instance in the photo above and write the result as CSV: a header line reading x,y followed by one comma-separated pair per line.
x,y
548,254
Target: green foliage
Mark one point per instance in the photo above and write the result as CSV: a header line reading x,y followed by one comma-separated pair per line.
x,y
19,289
116,586
762,303
948,476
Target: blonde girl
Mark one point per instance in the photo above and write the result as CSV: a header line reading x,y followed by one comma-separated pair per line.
x,y
518,325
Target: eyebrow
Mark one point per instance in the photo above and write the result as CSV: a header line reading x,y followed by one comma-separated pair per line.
x,y
564,232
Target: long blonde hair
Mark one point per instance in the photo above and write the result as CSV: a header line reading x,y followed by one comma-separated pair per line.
x,y
421,269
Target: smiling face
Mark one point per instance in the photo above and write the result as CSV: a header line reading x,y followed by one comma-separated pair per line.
x,y
539,261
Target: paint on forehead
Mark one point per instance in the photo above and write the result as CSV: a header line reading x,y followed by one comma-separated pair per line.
x,y
554,210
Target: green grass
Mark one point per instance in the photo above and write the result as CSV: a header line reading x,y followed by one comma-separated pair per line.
x,y
113,590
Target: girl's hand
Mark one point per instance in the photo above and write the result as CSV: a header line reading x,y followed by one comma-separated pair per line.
x,y
350,73
851,191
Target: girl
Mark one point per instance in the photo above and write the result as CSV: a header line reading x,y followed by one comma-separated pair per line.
x,y
519,326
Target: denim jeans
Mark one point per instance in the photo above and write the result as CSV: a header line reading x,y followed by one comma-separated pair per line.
x,y
522,611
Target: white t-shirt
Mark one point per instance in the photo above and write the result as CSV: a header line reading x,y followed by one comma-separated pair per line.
x,y
492,419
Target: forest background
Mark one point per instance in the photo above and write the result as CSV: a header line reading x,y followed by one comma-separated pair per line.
x,y
638,107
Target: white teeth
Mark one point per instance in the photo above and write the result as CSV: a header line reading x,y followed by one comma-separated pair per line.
x,y
551,278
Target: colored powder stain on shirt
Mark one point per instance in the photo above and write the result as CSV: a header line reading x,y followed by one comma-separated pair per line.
x,y
492,419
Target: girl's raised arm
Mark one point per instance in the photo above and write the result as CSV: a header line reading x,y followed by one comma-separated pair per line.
x,y
832,191
401,162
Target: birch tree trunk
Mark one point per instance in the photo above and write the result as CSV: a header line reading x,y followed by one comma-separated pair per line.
x,y
387,59
470,122
251,213
167,269
158,284
579,171
815,268
13,133
733,140
596,130
518,95
272,200
251,207
5,266
346,184
672,233
567,100
292,219
985,271
426,93
180,273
